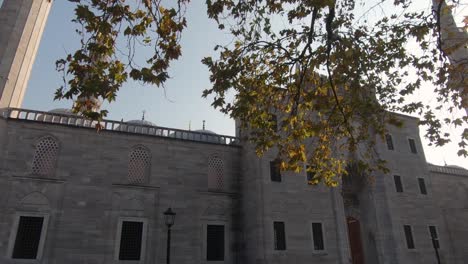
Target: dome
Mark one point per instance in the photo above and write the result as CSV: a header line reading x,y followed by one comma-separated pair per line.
x,y
58,115
141,123
139,126
455,167
64,111
205,131
202,135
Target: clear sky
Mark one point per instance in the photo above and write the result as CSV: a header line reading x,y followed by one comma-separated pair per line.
x,y
178,105
181,102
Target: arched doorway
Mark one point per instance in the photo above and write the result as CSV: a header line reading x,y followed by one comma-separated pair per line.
x,y
355,241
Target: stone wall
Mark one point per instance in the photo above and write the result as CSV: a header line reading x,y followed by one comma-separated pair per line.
x,y
89,192
409,207
295,203
450,187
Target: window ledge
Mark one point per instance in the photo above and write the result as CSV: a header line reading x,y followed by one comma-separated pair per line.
x,y
136,186
277,252
217,192
319,253
28,261
34,177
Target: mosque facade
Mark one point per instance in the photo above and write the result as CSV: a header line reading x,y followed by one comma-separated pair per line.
x,y
71,194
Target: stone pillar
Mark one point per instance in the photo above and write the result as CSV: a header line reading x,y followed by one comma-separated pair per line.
x,y
21,25
341,226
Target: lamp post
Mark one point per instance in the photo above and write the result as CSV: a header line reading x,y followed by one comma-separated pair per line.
x,y
435,244
169,217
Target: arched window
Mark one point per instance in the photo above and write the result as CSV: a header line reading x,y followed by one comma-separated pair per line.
x,y
215,173
139,165
45,156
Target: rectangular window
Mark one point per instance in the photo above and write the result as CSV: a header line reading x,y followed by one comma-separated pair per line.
x,y
398,185
310,175
131,240
412,145
422,186
28,237
317,234
215,242
389,140
409,236
275,172
279,236
434,236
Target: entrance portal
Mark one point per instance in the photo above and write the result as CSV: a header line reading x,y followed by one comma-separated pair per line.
x,y
355,242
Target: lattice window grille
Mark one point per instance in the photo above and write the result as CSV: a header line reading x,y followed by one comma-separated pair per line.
x,y
139,165
28,237
131,240
45,157
215,173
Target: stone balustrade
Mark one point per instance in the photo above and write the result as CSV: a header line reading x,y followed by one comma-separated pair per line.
x,y
118,126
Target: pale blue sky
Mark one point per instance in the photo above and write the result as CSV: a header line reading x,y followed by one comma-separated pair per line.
x,y
180,104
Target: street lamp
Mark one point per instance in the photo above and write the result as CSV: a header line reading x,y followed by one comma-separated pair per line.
x,y
169,217
435,244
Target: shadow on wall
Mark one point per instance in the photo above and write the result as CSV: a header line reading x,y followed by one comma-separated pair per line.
x,y
463,195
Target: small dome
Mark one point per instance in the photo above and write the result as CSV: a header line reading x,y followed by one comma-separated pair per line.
x,y
139,126
141,123
64,111
455,167
56,116
202,135
205,131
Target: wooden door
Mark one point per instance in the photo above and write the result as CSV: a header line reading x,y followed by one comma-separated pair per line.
x,y
355,242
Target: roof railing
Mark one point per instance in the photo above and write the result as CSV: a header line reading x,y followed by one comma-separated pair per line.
x,y
111,125
448,170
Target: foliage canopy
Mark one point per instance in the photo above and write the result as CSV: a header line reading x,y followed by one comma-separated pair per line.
x,y
322,75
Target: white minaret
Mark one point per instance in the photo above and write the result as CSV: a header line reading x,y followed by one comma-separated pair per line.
x,y
21,25
454,43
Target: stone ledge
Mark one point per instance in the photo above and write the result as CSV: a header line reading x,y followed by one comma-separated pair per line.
x,y
38,178
135,186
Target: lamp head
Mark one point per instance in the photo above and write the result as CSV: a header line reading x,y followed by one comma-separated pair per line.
x,y
169,217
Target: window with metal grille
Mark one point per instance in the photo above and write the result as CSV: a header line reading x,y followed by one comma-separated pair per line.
x,y
279,235
45,156
389,140
398,184
422,186
275,172
409,236
412,145
139,165
215,242
317,234
310,174
131,240
28,237
215,173
434,236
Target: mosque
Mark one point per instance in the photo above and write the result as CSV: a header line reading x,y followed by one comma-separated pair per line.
x,y
71,195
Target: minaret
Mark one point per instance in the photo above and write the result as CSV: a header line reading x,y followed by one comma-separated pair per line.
x,y
22,23
455,45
